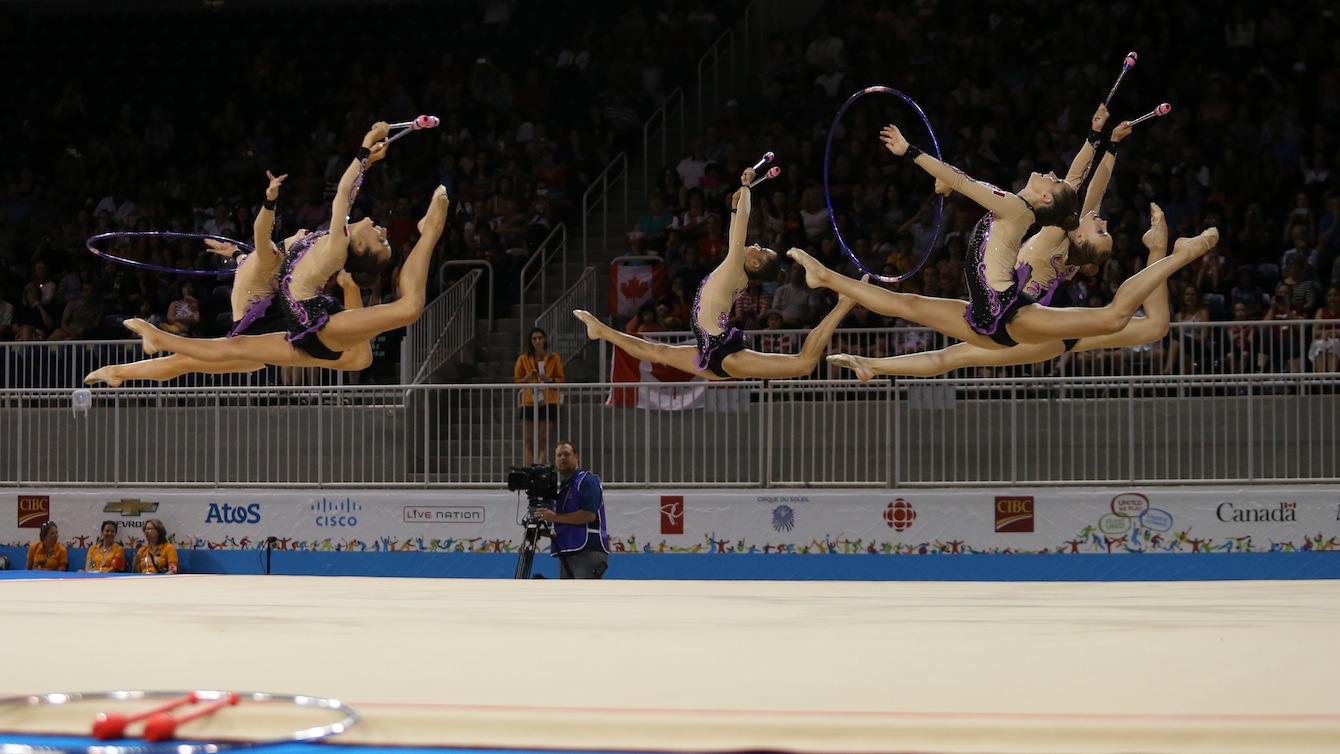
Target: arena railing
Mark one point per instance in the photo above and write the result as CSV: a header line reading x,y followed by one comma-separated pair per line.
x,y
597,199
885,434
567,334
1266,347
658,146
551,254
444,329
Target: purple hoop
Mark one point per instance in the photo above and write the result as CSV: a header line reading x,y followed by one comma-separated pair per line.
x,y
828,195
244,247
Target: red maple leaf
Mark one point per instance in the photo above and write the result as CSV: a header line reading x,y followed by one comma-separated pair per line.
x,y
634,288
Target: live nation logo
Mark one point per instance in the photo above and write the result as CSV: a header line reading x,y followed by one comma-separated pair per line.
x,y
672,514
34,510
1015,513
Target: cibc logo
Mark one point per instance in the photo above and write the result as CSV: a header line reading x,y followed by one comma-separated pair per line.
x,y
336,513
1015,514
34,510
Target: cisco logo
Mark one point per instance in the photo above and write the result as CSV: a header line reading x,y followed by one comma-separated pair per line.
x,y
342,513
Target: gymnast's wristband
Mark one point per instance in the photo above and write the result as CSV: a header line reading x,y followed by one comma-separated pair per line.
x,y
912,152
363,153
1112,146
270,204
1095,138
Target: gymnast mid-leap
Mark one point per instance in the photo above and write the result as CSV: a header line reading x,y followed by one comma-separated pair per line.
x,y
254,310
1147,329
721,352
998,314
319,329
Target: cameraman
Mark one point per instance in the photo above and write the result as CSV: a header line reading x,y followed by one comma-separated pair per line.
x,y
580,540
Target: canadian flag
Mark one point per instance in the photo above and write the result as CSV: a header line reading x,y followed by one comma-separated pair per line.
x,y
632,285
660,388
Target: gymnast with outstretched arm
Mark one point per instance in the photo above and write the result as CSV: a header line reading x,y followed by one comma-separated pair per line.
x,y
1054,255
254,311
720,352
998,314
1147,329
1048,258
318,328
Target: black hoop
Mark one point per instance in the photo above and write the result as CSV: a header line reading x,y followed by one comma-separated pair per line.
x,y
244,247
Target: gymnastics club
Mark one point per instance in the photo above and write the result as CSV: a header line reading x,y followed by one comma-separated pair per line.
x,y
109,725
773,173
764,160
162,726
1126,65
1163,109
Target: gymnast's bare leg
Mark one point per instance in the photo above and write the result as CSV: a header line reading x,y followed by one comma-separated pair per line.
x,y
175,365
345,330
742,364
1151,327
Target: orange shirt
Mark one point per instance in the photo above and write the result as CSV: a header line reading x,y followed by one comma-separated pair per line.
x,y
155,560
58,559
553,368
105,559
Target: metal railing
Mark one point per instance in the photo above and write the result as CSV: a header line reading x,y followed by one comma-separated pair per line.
x,y
597,199
657,144
553,250
567,334
715,68
446,326
998,432
1265,347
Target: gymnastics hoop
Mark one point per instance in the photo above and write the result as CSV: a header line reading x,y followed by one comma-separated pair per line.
x,y
828,195
307,734
243,247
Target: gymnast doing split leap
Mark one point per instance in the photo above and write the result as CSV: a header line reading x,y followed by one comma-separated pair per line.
x,y
319,329
998,313
254,310
720,352
1047,259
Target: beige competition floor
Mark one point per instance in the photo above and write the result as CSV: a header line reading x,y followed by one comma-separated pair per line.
x,y
715,666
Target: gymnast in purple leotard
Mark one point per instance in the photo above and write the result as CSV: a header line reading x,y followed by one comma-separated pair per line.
x,y
720,351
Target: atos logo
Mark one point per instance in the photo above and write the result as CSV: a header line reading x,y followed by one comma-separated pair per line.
x,y
224,513
336,513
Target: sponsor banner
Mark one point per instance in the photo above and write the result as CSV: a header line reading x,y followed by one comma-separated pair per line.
x,y
1067,520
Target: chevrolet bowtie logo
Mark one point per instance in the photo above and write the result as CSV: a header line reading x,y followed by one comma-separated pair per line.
x,y
130,507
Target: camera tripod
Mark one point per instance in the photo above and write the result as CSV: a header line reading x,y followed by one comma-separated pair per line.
x,y
529,544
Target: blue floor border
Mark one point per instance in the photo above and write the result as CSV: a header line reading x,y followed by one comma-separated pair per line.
x,y
772,567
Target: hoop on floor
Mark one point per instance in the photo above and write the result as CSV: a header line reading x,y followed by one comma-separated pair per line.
x,y
314,733
828,195
90,243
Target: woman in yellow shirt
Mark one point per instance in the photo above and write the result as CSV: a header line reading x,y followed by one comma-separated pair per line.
x,y
106,556
156,555
47,553
537,365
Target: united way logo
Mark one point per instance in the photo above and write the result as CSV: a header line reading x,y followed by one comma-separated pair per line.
x,y
783,518
900,515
